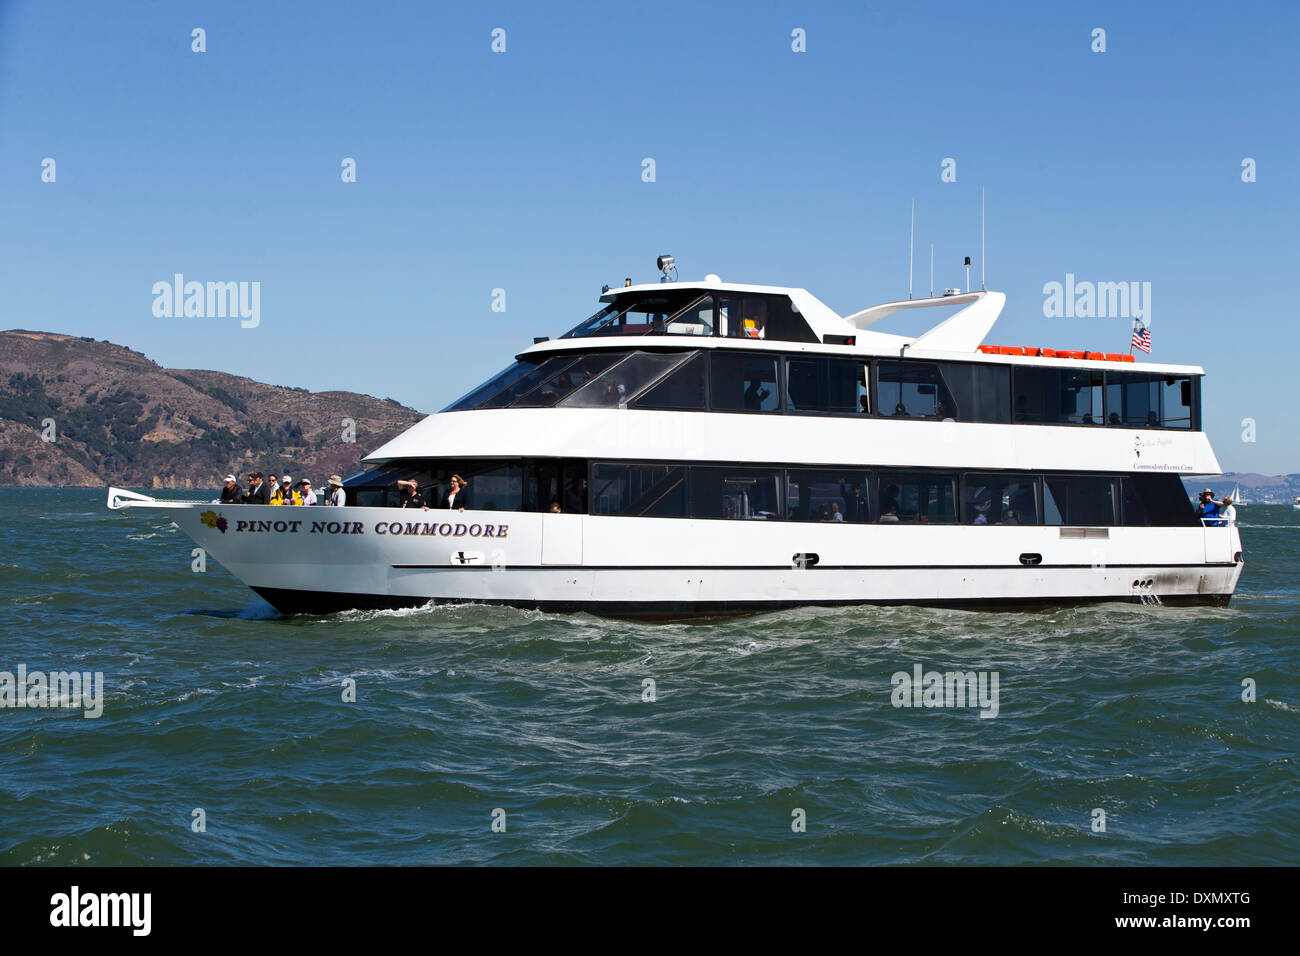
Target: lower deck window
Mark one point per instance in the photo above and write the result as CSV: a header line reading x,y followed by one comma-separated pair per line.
x,y
917,498
827,496
643,491
1001,499
1079,500
735,493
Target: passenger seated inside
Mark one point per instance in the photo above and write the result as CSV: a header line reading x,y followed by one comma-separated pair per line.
x,y
1009,517
889,514
889,502
900,411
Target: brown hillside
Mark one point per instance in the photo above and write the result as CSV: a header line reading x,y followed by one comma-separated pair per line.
x,y
119,418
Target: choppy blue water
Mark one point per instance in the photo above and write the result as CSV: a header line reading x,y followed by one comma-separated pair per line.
x,y
213,701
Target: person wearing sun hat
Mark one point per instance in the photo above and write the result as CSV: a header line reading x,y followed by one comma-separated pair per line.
x,y
336,497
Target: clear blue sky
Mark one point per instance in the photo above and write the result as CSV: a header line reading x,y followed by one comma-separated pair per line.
x,y
522,171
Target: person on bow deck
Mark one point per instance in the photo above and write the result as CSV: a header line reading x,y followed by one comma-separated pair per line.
x,y
285,495
408,495
457,496
337,497
258,492
230,494
308,496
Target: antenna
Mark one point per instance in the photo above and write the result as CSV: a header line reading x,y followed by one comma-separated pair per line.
x,y
982,289
932,270
911,243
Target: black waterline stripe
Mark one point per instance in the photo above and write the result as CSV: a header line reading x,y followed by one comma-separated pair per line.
x,y
816,567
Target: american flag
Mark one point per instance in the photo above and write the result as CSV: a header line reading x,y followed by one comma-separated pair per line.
x,y
1141,337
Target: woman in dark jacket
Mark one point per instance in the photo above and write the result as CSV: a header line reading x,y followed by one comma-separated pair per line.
x,y
456,496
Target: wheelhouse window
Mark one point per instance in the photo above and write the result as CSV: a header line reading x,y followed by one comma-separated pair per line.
x,y
671,310
736,492
912,390
744,382
756,316
826,385
1000,499
917,498
827,496
644,313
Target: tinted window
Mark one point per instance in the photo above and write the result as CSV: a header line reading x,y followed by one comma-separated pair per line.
x,y
1132,399
650,491
917,498
826,385
568,380
1177,398
1038,394
1078,500
739,492
1000,499
912,390
1081,397
496,489
522,386
622,382
493,385
1156,501
684,388
826,496
744,382
980,393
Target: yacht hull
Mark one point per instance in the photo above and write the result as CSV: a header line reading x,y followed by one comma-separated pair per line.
x,y
321,560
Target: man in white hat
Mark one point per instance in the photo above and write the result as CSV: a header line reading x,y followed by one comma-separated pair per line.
x,y
336,497
230,494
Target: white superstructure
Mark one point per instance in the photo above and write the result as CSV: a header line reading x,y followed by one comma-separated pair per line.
x,y
711,447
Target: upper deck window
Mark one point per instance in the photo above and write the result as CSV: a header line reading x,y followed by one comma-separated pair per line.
x,y
683,311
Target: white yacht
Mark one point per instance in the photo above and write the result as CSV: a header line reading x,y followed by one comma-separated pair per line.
x,y
711,447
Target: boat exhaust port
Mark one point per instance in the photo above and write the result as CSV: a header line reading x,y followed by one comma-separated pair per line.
x,y
1144,589
1031,559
